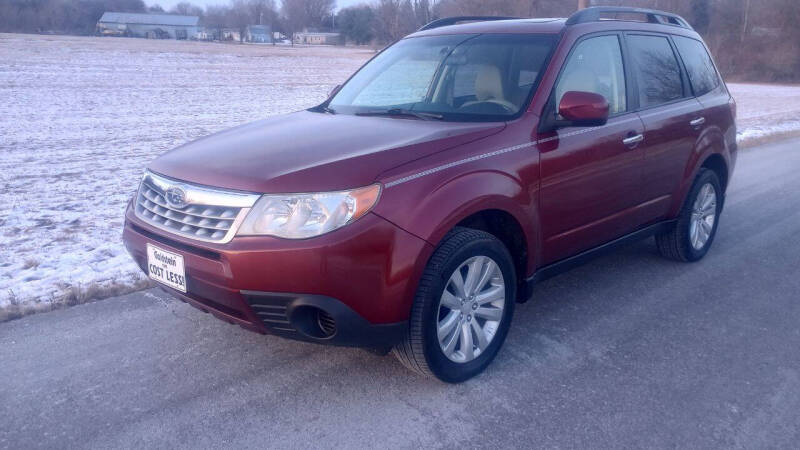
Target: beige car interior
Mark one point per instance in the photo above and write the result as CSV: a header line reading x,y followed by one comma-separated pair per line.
x,y
489,88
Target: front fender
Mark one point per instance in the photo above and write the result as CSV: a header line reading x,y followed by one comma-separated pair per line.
x,y
440,206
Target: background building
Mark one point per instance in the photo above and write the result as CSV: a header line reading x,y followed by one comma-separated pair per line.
x,y
258,33
317,38
149,25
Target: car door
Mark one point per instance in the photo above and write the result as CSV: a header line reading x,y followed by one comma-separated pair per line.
x,y
591,176
671,115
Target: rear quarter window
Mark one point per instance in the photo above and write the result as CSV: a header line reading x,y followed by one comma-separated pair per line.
x,y
699,67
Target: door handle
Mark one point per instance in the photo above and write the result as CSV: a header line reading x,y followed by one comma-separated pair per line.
x,y
697,122
633,140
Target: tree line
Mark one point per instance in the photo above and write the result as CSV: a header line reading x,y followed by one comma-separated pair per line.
x,y
750,39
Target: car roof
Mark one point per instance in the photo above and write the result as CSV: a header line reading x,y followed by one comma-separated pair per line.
x,y
551,26
546,26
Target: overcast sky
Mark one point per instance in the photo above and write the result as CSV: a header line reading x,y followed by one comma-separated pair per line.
x,y
167,4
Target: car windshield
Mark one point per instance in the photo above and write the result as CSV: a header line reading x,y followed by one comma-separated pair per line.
x,y
486,77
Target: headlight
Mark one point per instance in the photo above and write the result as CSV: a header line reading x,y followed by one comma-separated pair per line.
x,y
299,216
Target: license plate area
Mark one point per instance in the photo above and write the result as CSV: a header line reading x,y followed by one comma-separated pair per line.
x,y
166,267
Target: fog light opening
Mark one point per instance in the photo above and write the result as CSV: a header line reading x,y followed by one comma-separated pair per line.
x,y
313,322
326,323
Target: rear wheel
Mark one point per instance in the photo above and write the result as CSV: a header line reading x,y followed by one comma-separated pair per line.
x,y
693,233
462,309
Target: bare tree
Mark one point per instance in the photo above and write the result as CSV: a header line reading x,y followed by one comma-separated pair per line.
x,y
294,16
423,11
216,18
355,24
517,8
187,9
316,11
65,16
744,19
262,11
752,40
701,10
239,17
387,20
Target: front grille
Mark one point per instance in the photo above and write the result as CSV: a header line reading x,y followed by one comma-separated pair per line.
x,y
208,215
210,222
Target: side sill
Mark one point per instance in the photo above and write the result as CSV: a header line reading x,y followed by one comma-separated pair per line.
x,y
566,264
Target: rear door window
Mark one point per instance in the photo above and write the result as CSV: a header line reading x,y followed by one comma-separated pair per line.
x,y
699,67
657,70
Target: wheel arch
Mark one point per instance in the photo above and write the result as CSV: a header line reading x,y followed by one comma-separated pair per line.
x,y
488,200
711,153
506,228
716,163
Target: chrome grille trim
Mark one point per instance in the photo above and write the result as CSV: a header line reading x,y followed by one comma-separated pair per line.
x,y
209,215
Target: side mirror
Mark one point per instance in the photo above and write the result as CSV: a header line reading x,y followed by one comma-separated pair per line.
x,y
334,90
583,109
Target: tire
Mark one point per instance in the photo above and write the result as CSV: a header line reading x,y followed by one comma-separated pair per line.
x,y
465,250
678,243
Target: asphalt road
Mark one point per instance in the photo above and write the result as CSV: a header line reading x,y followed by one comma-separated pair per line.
x,y
627,351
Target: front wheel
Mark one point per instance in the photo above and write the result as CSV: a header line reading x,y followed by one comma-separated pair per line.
x,y
694,231
462,309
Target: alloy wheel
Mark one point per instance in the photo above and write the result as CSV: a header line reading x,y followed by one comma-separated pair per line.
x,y
471,309
704,214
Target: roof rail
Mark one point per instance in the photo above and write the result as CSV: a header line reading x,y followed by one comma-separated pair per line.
x,y
653,16
458,19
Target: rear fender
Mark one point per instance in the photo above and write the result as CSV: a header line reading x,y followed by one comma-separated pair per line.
x,y
711,141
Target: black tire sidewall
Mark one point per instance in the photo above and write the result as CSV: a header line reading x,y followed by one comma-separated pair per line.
x,y
693,254
440,365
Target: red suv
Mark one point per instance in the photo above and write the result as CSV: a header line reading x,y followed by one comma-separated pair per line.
x,y
461,165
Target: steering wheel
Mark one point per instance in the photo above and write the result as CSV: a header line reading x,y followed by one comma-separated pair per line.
x,y
510,107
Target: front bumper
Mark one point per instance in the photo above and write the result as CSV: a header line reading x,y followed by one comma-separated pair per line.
x,y
362,276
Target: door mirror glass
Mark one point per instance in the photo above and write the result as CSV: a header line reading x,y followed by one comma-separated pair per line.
x,y
583,108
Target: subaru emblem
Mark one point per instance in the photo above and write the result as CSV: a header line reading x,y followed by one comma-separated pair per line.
x,y
176,197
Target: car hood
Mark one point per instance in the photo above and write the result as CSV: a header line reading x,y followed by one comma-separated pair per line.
x,y
312,152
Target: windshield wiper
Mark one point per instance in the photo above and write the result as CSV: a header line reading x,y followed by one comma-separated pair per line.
x,y
402,112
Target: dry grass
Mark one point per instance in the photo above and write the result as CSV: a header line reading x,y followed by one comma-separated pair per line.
x,y
30,263
73,295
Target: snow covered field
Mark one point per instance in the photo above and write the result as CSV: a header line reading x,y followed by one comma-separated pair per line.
x,y
765,110
81,117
